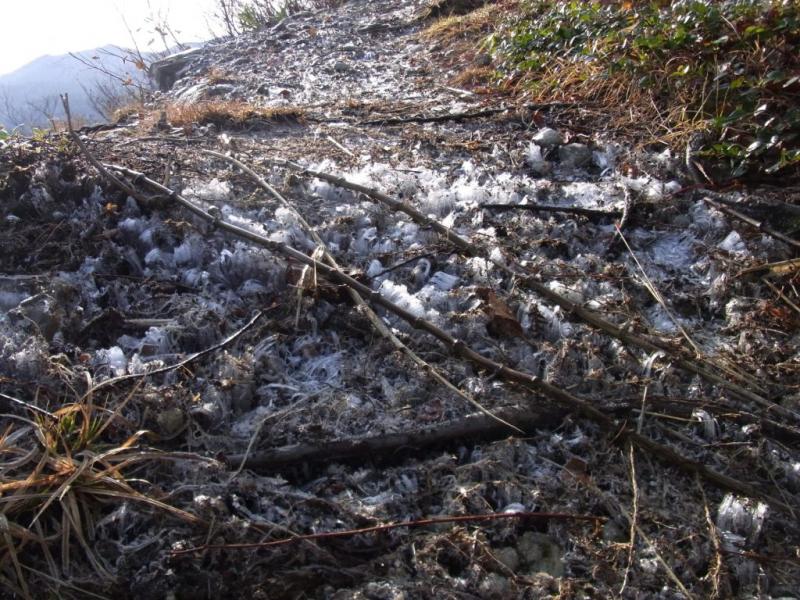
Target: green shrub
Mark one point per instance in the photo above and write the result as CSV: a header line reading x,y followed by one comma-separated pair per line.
x,y
730,68
256,14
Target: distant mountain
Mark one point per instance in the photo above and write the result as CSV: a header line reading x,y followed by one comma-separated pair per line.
x,y
29,95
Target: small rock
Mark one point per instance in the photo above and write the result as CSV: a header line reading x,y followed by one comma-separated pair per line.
x,y
483,60
221,89
340,66
508,556
547,137
494,586
263,89
165,72
170,421
540,554
574,155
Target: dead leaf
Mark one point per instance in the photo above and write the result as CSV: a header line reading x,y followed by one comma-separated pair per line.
x,y
502,322
578,469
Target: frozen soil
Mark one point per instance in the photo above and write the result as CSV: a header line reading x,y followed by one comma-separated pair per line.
x,y
96,286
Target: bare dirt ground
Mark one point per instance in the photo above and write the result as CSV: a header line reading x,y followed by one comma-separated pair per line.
x,y
192,414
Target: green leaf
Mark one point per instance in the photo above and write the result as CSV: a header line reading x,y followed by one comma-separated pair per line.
x,y
754,30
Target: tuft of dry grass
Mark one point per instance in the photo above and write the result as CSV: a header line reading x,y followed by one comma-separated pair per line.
x,y
218,75
230,113
458,39
471,27
59,476
474,76
127,111
447,8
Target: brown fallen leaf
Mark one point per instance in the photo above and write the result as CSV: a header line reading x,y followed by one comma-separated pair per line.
x,y
502,322
578,468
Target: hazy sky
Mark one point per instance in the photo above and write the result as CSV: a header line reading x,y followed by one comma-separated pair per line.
x,y
32,28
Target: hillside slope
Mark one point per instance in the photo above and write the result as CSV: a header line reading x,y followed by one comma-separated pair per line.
x,y
433,344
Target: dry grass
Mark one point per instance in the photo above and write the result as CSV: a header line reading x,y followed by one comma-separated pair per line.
x,y
229,113
127,111
458,40
59,477
626,106
224,113
470,27
218,75
474,76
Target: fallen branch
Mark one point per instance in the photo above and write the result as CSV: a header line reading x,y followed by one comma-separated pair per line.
x,y
460,116
123,185
588,316
783,267
575,210
623,221
587,409
389,526
182,363
376,322
732,212
472,427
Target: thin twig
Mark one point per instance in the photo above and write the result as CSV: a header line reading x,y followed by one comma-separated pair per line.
x,y
586,408
732,212
575,210
634,521
592,318
376,322
182,363
656,294
780,268
333,141
543,516
781,295
717,570
103,171
28,405
475,114
623,221
253,438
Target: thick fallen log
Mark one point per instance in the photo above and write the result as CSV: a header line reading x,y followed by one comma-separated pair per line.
x,y
620,432
470,428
